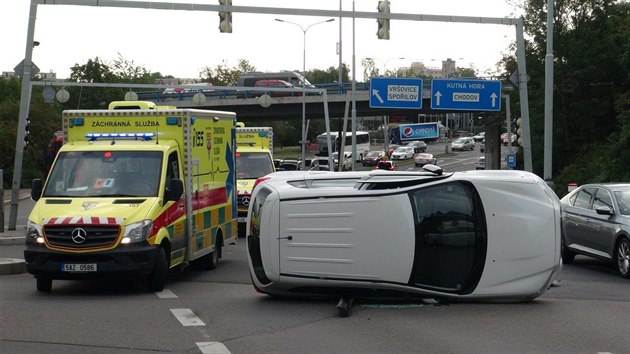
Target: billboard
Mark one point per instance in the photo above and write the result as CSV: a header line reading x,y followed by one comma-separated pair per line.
x,y
419,131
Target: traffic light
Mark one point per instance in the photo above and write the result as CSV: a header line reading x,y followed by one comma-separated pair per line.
x,y
383,23
225,18
26,133
519,132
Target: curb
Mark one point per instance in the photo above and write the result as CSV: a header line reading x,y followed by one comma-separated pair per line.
x,y
12,266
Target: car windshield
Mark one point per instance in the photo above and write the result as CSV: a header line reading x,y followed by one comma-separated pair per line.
x,y
105,174
401,149
460,141
623,200
423,156
374,154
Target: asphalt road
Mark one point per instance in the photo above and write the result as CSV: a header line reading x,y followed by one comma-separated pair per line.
x,y
587,312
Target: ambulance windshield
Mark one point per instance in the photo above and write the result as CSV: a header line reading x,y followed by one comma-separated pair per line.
x,y
252,165
105,174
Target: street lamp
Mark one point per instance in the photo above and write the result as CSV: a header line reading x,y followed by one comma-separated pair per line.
x,y
385,62
304,30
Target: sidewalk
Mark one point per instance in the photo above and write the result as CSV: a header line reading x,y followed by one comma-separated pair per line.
x,y
9,239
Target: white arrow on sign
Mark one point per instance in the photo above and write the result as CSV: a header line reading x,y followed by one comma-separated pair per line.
x,y
437,98
494,99
378,97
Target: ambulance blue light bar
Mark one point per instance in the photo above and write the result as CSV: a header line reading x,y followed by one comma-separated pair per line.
x,y
97,136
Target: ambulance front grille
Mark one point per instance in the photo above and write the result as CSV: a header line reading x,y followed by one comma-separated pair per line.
x,y
81,237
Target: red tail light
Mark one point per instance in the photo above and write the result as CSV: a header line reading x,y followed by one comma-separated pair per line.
x,y
260,180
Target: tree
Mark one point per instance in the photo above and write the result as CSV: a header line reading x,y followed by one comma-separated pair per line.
x,y
222,75
369,69
329,75
591,76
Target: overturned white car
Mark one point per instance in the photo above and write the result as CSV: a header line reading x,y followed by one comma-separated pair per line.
x,y
467,236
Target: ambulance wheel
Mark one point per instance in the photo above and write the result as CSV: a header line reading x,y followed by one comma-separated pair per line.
x,y
157,279
213,257
44,284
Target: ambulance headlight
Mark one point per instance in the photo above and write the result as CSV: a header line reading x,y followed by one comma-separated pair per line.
x,y
34,232
137,232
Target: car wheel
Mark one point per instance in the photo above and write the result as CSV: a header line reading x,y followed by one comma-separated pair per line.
x,y
567,255
44,284
622,255
157,278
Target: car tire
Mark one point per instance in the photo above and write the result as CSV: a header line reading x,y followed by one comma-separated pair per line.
x,y
157,278
567,255
44,284
622,257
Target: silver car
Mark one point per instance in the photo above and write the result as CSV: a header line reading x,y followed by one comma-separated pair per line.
x,y
462,144
596,223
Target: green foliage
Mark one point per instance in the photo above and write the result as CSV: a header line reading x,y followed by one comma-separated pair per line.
x,y
591,76
222,75
329,75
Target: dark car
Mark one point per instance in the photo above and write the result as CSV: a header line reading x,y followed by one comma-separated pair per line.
x,y
482,147
275,84
596,223
418,146
424,158
386,166
373,157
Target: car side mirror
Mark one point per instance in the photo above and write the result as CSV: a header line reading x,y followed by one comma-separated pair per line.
x,y
175,190
604,210
36,189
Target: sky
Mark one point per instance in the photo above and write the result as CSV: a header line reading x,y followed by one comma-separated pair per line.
x,y
182,43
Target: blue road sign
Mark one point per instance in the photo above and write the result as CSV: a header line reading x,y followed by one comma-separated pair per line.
x,y
510,160
387,92
466,95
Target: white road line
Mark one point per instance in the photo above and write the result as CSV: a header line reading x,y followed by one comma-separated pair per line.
x,y
212,348
187,318
166,294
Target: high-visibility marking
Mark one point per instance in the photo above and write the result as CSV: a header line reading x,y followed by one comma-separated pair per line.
x,y
212,348
166,294
187,318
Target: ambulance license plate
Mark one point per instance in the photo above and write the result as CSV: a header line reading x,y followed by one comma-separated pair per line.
x,y
242,219
77,268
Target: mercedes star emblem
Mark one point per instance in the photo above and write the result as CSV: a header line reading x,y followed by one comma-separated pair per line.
x,y
246,201
79,235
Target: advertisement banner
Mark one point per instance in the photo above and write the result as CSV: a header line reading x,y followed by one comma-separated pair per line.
x,y
420,131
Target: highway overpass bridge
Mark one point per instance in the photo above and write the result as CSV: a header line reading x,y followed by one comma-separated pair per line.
x,y
250,109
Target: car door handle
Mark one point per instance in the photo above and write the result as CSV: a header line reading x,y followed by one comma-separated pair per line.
x,y
285,238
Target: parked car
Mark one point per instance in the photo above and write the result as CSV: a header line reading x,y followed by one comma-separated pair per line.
x,y
424,158
482,146
480,164
321,234
372,158
596,223
386,166
462,144
417,145
402,153
480,136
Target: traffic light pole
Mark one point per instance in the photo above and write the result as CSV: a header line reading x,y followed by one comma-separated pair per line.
x,y
25,100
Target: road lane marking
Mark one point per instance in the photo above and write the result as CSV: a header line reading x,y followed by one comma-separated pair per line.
x,y
166,294
187,318
212,348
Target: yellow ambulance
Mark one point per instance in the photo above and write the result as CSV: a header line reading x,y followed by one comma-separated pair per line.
x,y
253,160
135,190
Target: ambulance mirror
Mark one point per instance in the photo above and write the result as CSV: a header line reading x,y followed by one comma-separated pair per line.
x,y
175,190
36,189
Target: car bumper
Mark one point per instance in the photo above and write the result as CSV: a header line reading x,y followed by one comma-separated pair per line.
x,y
133,262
